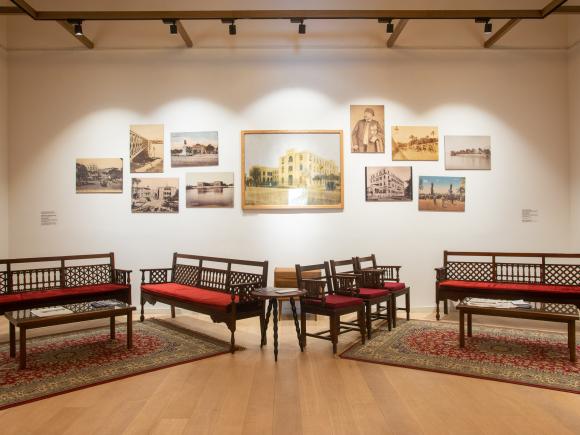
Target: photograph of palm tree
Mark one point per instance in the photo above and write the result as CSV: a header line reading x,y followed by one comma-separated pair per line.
x,y
415,143
442,194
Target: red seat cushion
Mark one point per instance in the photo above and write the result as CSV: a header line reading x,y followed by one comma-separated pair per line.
x,y
54,294
336,301
212,298
369,293
513,287
394,286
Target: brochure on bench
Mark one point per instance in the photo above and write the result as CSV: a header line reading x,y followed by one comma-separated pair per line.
x,y
51,311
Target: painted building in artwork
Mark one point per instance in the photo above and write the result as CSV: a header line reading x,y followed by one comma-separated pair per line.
x,y
306,169
295,169
385,184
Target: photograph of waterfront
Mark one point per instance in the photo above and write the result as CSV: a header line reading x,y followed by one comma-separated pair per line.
x,y
442,194
389,183
146,148
292,169
99,175
468,152
155,195
210,189
194,149
415,143
367,127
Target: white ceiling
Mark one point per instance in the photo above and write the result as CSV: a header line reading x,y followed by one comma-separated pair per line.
x,y
23,33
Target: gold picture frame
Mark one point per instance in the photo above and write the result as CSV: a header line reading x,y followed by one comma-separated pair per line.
x,y
299,171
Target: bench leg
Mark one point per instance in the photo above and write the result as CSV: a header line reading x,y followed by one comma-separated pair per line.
x,y
461,329
445,306
302,325
12,341
173,311
334,325
438,316
142,310
112,327
394,309
361,324
232,328
572,339
368,308
408,304
469,325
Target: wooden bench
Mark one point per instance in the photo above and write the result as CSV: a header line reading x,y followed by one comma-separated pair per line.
x,y
208,285
534,277
44,281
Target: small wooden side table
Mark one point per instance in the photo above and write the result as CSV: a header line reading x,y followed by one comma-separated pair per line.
x,y
274,295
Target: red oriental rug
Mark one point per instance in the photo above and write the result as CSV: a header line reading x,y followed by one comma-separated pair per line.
x,y
527,357
70,361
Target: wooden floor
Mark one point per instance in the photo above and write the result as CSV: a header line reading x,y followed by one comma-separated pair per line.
x,y
309,393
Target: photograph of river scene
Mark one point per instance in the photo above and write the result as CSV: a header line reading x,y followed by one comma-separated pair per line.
x,y
210,189
468,152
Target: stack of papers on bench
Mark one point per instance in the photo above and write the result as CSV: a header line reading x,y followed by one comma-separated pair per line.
x,y
497,303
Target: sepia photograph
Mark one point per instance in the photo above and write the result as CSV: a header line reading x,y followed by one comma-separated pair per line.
x,y
367,126
415,143
99,175
210,189
194,149
146,148
155,195
468,152
389,183
442,194
292,169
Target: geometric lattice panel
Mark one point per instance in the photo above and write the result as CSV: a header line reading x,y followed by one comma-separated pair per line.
x,y
562,274
560,309
3,282
469,271
77,276
186,274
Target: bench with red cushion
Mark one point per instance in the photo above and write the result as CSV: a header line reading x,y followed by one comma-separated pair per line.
x,y
208,285
552,278
45,281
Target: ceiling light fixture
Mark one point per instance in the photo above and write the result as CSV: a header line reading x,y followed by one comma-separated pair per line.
x,y
301,25
487,26
232,30
77,27
390,25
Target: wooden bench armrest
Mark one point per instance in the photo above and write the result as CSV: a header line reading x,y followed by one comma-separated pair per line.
x,y
441,273
391,273
347,284
122,276
155,276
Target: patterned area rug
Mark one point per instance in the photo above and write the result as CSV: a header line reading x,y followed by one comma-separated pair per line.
x,y
534,358
70,361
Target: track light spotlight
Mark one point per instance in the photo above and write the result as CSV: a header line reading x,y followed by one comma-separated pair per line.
x,y
77,27
232,25
172,26
487,28
302,28
390,26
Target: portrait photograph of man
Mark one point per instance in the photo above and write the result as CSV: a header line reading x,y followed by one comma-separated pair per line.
x,y
367,124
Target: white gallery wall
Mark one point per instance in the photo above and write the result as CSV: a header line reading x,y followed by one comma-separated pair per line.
x,y
70,104
574,83
4,231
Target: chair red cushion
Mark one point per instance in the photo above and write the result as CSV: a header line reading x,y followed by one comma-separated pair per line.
x,y
394,286
212,298
336,301
513,287
369,293
55,294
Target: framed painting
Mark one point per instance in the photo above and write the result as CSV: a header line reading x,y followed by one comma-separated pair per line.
x,y
292,169
442,194
415,143
389,183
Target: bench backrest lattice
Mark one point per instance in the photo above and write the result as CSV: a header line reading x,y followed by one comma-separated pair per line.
x,y
534,268
19,275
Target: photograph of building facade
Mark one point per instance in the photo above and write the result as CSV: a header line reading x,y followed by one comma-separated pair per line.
x,y
389,183
303,175
155,195
146,148
194,149
99,175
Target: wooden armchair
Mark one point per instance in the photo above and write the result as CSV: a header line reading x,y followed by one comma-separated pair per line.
x,y
367,285
320,299
390,281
